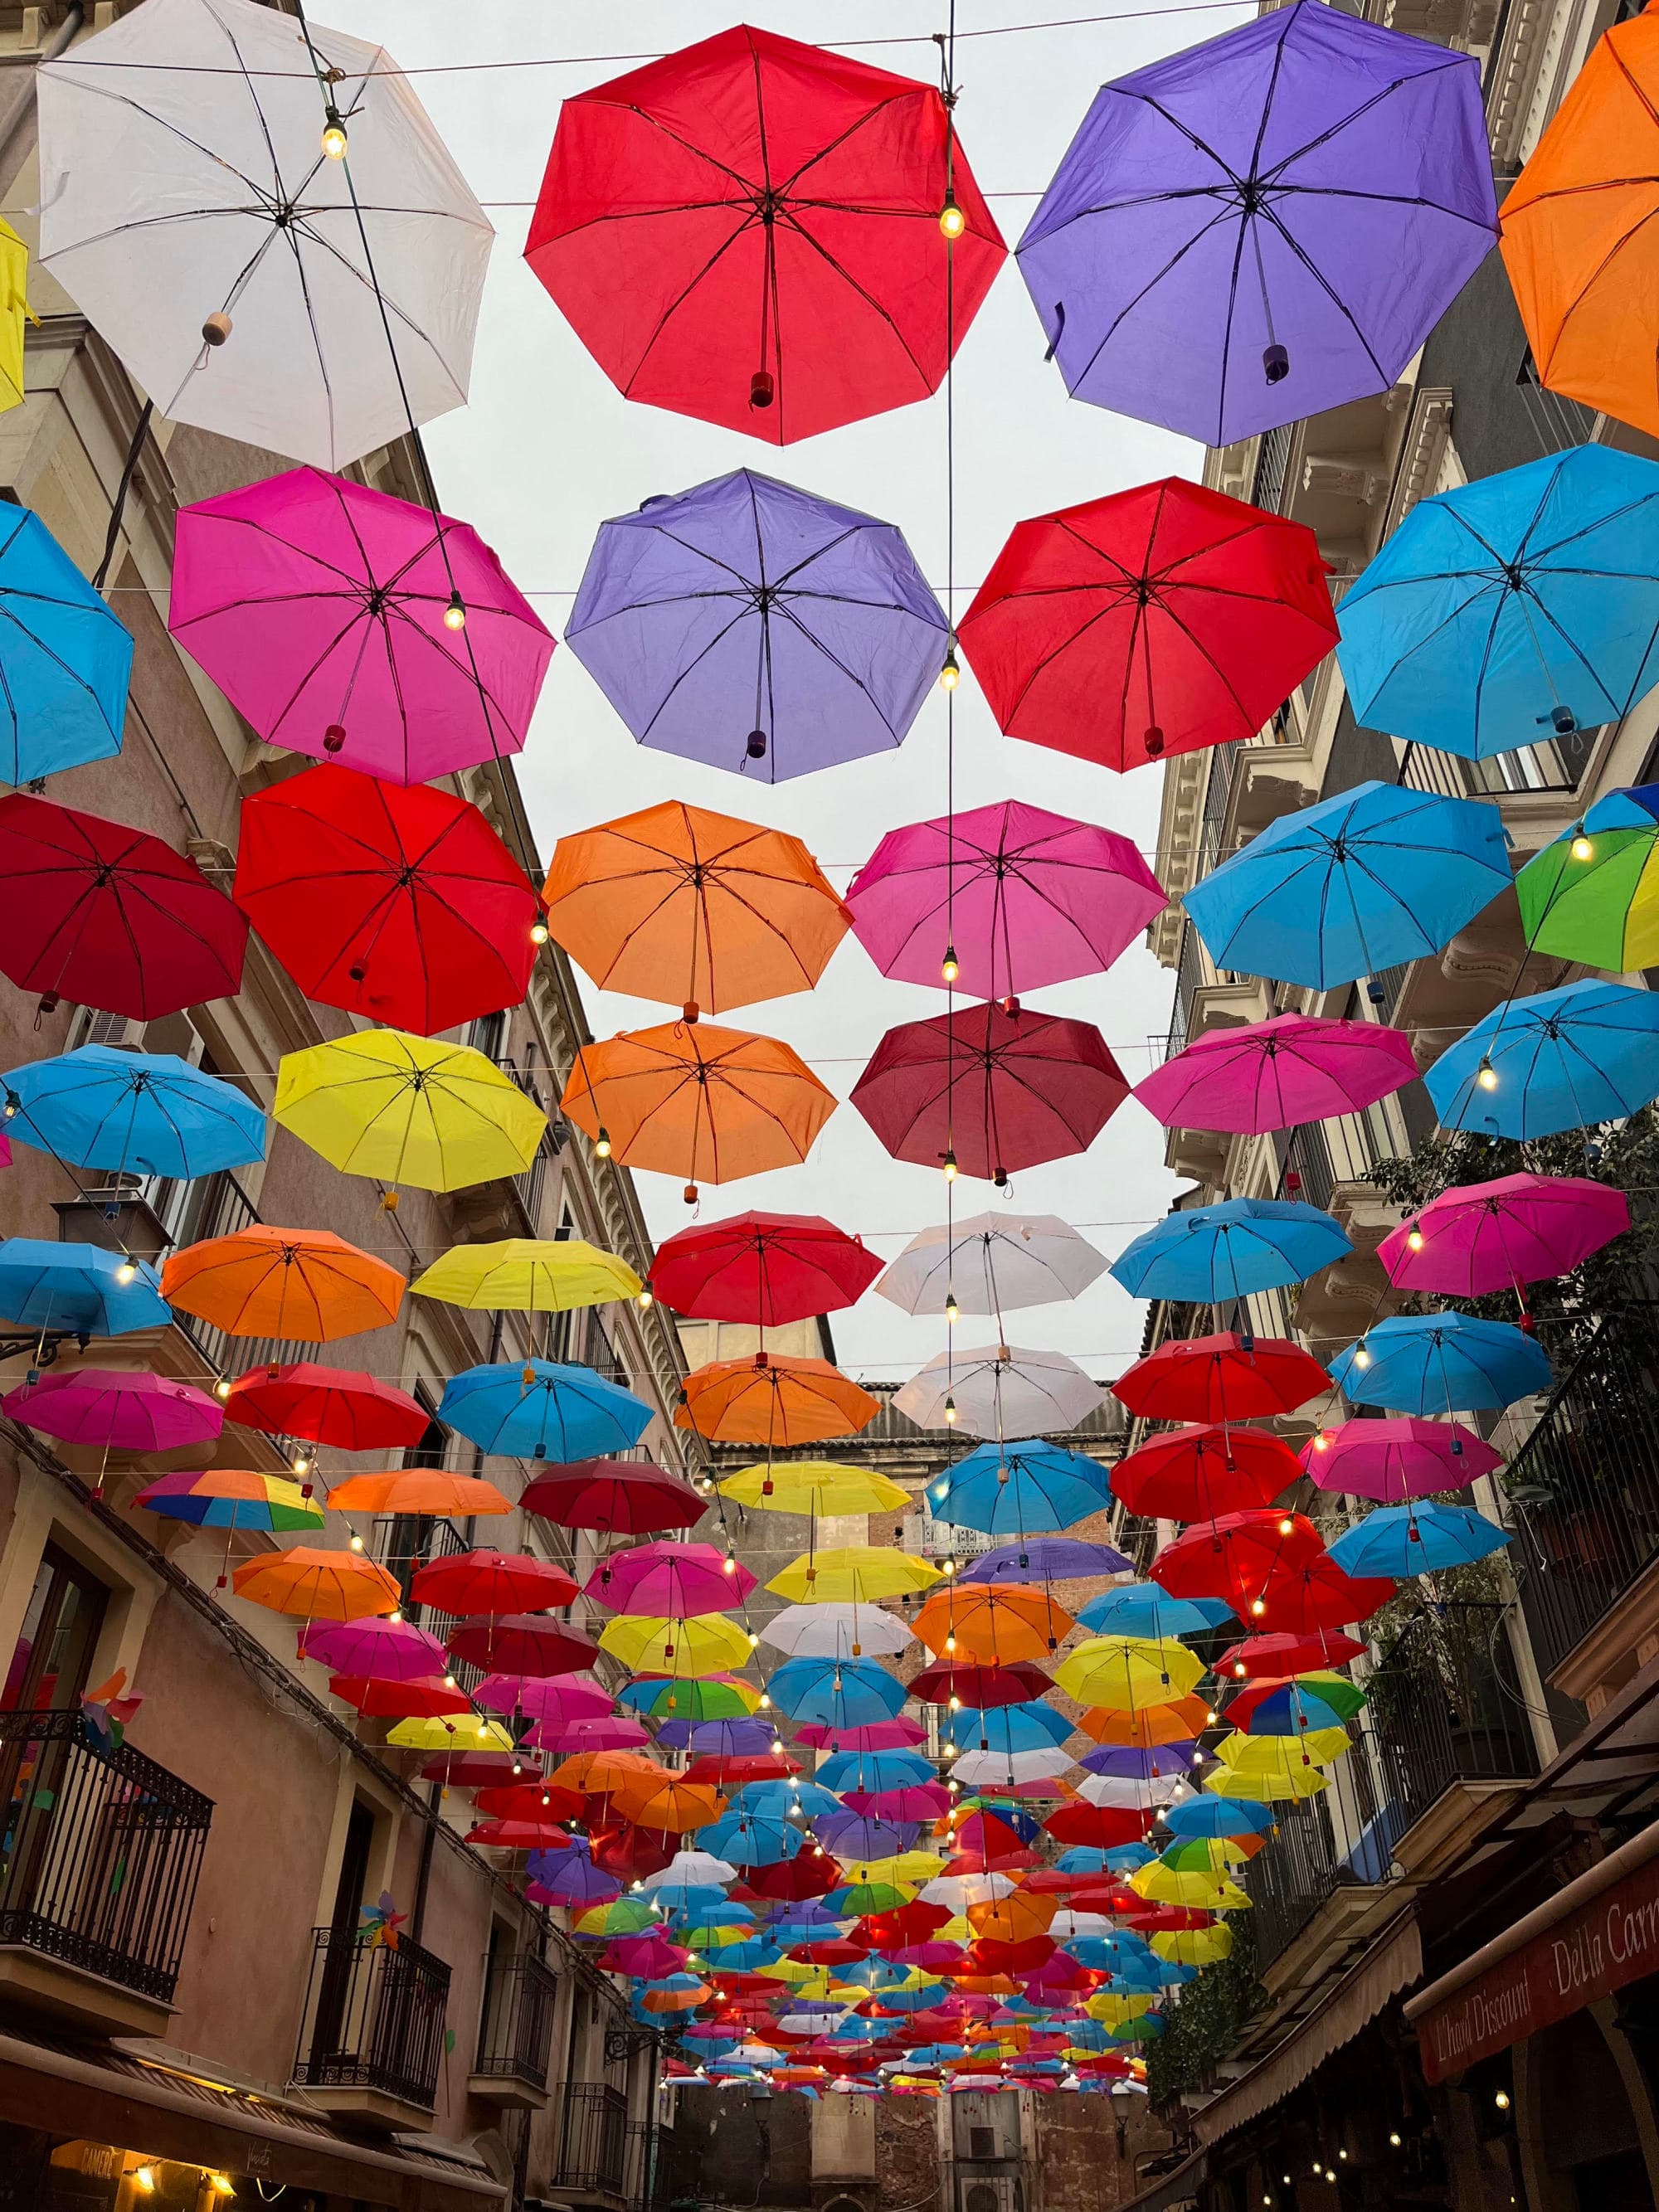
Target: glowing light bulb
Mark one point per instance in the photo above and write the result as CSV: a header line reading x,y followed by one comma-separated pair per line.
x,y
951,221
955,1705
1581,847
334,134
1393,2137
538,932
395,1615
646,1300
449,1681
1502,2100
952,1314
301,1463
948,1162
765,1703
221,1388
1487,1076
1414,1239
950,674
356,1542
1286,1526
948,968
1258,1608
144,2179
950,1642
483,1730
455,612
1361,1356
602,1144
127,1272
11,1107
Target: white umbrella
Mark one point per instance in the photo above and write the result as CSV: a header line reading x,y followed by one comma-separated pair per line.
x,y
696,1869
1132,1791
253,285
998,1392
976,1769
835,1632
1066,1926
992,1263
959,1891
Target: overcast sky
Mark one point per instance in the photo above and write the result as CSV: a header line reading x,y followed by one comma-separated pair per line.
x,y
547,449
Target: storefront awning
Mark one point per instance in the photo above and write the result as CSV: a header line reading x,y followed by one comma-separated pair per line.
x,y
1171,2190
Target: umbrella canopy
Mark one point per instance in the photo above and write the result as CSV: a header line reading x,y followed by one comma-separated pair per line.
x,y
49,1285
1483,1236
390,1650
317,1586
1214,1816
232,1497
130,1113
1416,1539
1044,1559
1226,1377
707,1697
1564,1059
632,1498
1441,1363
1127,1672
528,1275
431,1489
1369,880
839,1693
702,1643
337,1406
539,1409
996,1088
783,205
1237,1556
767,1269
855,1574
416,1699
992,1263
1592,894
678,903
669,1578
404,1109
1391,1462
1148,623
402,905
115,1409
1145,1609
1019,1488
315,306
987,1624
1179,1720
843,1631
997,1390
1018,898
772,1399
68,657
491,1582
819,1486
972,1684
524,1644
109,917
1196,1474
1274,1655
1290,1708
1214,1254
307,1284
1274,1074
1263,226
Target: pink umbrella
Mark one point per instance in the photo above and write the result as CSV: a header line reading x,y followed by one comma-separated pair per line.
x,y
558,1700
614,1732
1276,1073
874,1735
649,1952
115,1409
675,1581
342,621
1395,1460
1023,898
1483,1236
380,1650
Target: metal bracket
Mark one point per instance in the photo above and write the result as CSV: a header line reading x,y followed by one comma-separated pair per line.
x,y
621,2043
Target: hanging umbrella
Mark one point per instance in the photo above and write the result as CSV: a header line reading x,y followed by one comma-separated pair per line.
x,y
81,1288
820,1630
1483,1236
1128,1763
855,1574
1416,1539
562,1705
1127,1672
1264,226
1145,1609
1391,1462
402,905
669,1578
772,1399
317,1586
1177,1721
678,903
876,1769
1564,1059
701,1643
1291,1708
1215,1254
1148,623
996,1389
422,1699
523,1643
1214,1816
1232,1376
1016,897
67,657
633,1498
538,1409
987,1624
972,1684
1315,1594
320,306
1371,878
390,1650
115,1409
1196,1474
128,1112
767,1269
992,1263
539,1692
1274,1074
404,1109
1592,894
1237,1556
231,1497
1441,1363
491,1582
783,206
1274,1656
693,1100
874,1737
528,1275
710,1696
304,1284
840,1694
989,1088
428,1490
813,1486
339,1406
109,917
1044,1559
1026,1486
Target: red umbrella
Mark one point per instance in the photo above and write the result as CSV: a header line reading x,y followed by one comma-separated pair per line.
x,y
978,1687
765,1269
904,1923
1150,622
520,1835
835,1952
1102,1827
481,1770
731,1773
530,1801
991,1955
1320,1595
631,1854
1198,1473
630,1496
491,1582
779,209
524,1644
1228,1377
108,916
1264,1658
337,1406
794,1880
1236,1556
1001,1088
402,904
420,1698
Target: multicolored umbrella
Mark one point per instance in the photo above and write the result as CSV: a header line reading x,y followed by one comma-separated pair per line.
x,y
1483,1236
1216,1253
406,1109
306,1285
1390,1462
128,1112
539,1409
1592,894
68,656
1564,1059
1290,1708
1274,1075
232,1498
115,1409
767,1269
1273,1655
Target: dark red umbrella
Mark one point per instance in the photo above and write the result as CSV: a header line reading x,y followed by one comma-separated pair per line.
x,y
1150,622
835,1952
904,1923
1227,1378
1100,1827
530,1801
992,1954
1268,1658
1002,1088
630,1496
631,1854
794,1880
336,1405
524,1644
488,1582
108,916
978,1687
400,903
1198,1473
481,1770
765,1269
778,209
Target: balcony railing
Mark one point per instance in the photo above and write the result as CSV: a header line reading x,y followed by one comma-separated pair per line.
x,y
214,1205
516,2033
100,1854
374,2017
593,2138
648,2178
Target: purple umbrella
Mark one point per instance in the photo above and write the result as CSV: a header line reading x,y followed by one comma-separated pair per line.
x,y
380,1650
1264,226
568,1877
853,1837
749,625
1044,1559
1128,1762
1276,1073
115,1409
744,1738
1020,898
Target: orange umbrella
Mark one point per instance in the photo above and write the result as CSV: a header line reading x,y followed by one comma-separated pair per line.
x,y
1013,1918
416,1490
675,903
598,1773
668,1802
1179,1722
769,1398
316,1584
304,1284
689,1099
989,1622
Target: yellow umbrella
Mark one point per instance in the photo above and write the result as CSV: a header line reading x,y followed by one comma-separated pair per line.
x,y
1112,2009
1296,1783
1211,1892
459,1735
698,1643
1193,1947
907,1869
528,1275
408,1109
813,1486
1282,1754
14,305
856,1576
803,1980
1124,1673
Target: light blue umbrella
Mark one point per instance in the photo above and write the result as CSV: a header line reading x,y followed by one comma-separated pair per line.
x,y
1217,1816
132,1112
1215,1254
796,1794
750,1840
1522,602
1416,1539
1441,1363
1372,878
870,1771
1564,1059
64,655
1033,1726
1006,1489
1144,1609
560,1413
836,1693
77,1287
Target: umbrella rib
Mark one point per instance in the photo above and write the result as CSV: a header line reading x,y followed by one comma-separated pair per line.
x,y
744,227
186,215
1152,283
1331,131
1318,275
883,313
789,614
701,653
384,299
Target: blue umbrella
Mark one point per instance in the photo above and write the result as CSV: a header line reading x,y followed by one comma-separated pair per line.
x,y
936,2054
1564,1060
1144,1609
688,1925
750,1840
1213,1254
1033,1726
1218,1816
795,1796
1043,1559
1008,1489
1374,877
559,1414
66,658
1522,601
131,1113
836,1693
1090,1858
868,1770
77,1287
1416,1539
1441,1363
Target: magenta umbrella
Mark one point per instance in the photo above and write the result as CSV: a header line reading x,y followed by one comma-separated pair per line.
x,y
613,1732
1392,1461
1276,1073
555,1699
1485,1237
380,1650
675,1581
347,625
115,1409
1022,898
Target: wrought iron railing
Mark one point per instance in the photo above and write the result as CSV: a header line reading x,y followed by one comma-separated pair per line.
x,y
1272,465
101,1854
515,2030
374,2017
217,1206
593,2138
648,2174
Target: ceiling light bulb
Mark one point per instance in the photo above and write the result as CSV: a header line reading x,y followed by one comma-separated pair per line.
x,y
455,612
949,1412
1286,1526
301,1463
948,1162
1257,1607
221,1388
949,970
950,674
539,933
127,1272
356,1541
952,1315
602,1144
334,134
1581,847
1361,1356
1414,1238
646,1300
951,221
1487,1076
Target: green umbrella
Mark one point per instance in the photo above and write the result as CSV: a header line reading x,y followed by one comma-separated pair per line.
x,y
1592,895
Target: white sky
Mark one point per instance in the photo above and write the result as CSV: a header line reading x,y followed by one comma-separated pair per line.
x,y
547,449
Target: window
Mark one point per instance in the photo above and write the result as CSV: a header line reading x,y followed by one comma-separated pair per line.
x,y
488,1035
51,1663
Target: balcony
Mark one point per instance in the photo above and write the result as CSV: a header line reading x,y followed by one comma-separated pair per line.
x,y
98,1870
593,2140
372,2041
515,2034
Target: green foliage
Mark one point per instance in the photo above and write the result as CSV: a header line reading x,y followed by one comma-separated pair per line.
x,y
1205,2021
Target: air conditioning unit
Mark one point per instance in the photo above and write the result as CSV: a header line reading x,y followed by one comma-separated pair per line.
x,y
988,2192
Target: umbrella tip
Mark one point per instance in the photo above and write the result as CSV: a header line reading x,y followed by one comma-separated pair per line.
x,y
762,388
1275,364
756,744
334,738
215,328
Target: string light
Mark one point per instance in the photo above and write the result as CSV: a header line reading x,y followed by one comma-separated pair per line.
x,y
1361,1356
952,220
455,612
356,1541
949,1412
221,1388
334,133
1393,2137
952,1315
539,933
646,1300
948,968
948,1162
602,1144
1581,847
1486,1077
1502,2100
1414,1238
127,1272
950,674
